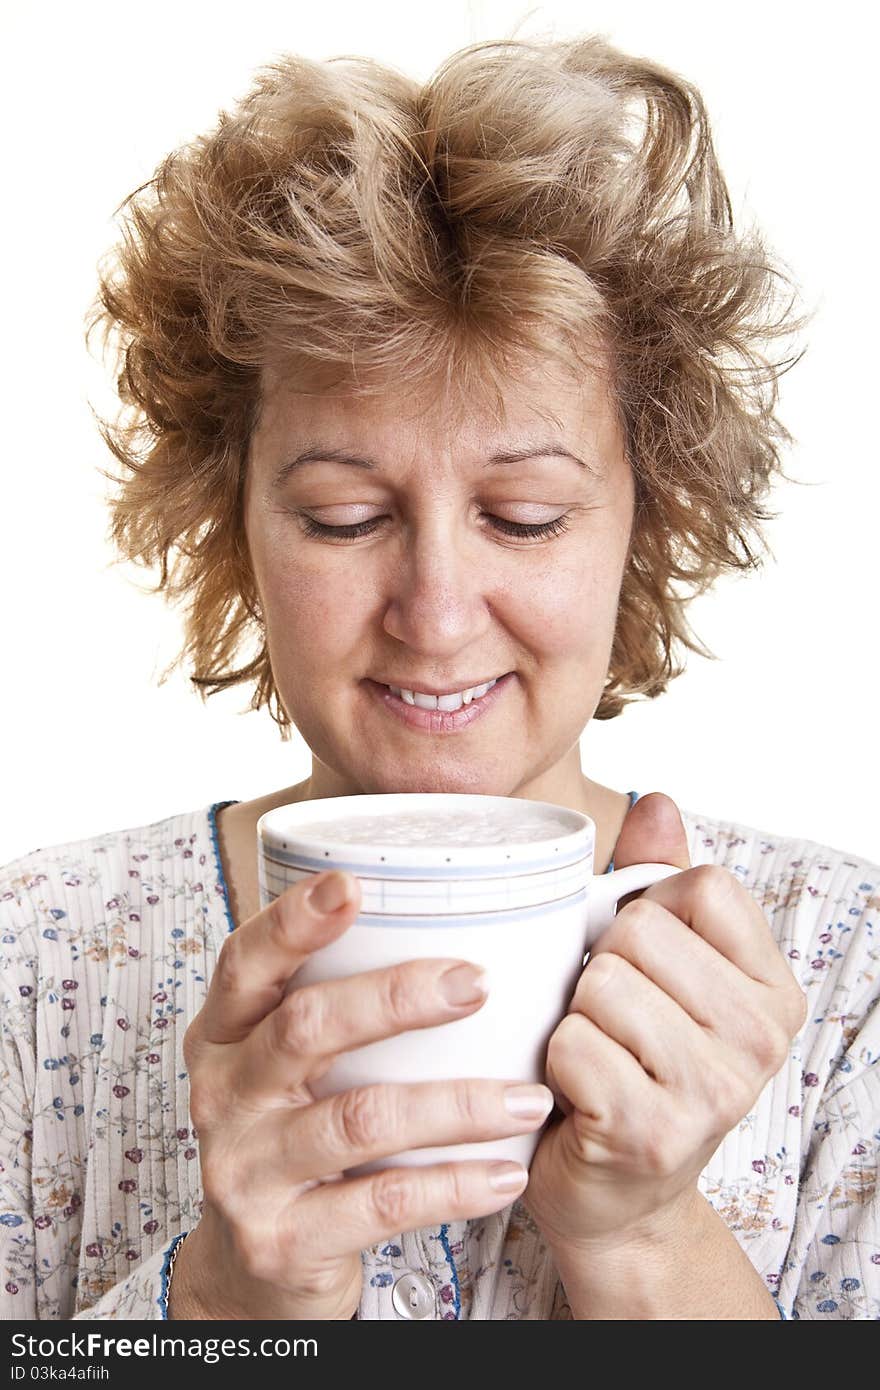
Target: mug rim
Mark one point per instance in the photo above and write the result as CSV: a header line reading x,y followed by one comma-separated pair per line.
x,y
275,827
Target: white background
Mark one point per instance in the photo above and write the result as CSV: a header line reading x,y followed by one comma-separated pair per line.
x,y
780,732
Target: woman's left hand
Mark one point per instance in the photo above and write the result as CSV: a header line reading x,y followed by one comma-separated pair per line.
x,y
682,1015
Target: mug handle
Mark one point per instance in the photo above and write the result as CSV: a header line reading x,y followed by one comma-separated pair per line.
x,y
607,890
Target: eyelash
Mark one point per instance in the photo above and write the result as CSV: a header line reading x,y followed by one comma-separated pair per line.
x,y
509,528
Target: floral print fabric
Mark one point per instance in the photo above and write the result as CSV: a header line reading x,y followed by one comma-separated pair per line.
x,y
106,949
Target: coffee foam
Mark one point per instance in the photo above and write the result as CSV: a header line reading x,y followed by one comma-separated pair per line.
x,y
441,829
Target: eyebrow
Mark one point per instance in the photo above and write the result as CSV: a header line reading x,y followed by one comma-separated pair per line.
x,y
318,454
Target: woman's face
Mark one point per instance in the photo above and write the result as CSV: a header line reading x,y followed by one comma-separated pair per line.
x,y
397,545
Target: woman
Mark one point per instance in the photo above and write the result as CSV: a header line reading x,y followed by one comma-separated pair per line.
x,y
430,389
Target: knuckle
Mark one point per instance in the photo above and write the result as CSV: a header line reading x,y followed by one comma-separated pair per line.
x,y
563,1040
457,1195
302,1022
710,884
362,1116
469,1104
401,995
769,1043
283,910
208,1098
191,1044
592,1121
797,1007
391,1200
602,969
202,1108
230,968
637,920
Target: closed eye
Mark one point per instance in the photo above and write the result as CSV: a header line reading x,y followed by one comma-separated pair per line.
x,y
521,529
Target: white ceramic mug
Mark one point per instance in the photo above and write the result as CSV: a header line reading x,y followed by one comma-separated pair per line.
x,y
504,883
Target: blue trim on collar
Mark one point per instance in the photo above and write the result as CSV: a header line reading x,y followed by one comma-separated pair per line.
x,y
162,1300
633,798
212,822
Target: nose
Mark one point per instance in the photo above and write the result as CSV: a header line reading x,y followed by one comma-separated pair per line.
x,y
436,600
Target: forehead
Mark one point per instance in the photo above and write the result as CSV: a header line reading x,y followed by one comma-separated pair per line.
x,y
541,399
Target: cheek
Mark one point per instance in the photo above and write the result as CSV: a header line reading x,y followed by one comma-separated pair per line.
x,y
568,607
309,611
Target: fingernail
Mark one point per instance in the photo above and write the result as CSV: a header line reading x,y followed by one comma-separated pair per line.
x,y
463,984
331,892
528,1102
507,1177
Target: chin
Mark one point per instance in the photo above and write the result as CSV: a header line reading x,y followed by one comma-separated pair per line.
x,y
462,781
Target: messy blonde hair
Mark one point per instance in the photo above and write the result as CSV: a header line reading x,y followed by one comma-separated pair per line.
x,y
360,226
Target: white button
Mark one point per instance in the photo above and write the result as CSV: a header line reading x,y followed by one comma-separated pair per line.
x,y
413,1297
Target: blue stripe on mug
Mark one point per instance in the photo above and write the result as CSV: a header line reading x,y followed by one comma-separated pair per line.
x,y
440,922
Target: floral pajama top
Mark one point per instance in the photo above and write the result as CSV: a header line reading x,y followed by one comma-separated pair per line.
x,y
107,946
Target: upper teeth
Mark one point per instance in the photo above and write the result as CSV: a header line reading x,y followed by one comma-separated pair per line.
x,y
443,702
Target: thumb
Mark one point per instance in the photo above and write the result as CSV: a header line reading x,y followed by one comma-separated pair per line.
x,y
653,833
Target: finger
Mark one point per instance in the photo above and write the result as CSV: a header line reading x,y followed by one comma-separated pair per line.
x,y
372,1122
607,1087
711,990
259,957
632,1011
315,1022
361,1212
652,833
715,905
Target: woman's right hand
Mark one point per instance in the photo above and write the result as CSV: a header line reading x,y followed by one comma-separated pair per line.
x,y
282,1228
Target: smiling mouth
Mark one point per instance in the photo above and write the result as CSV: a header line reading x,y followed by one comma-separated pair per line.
x,y
447,703
441,714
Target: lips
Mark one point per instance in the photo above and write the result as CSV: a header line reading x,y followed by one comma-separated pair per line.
x,y
452,701
440,721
